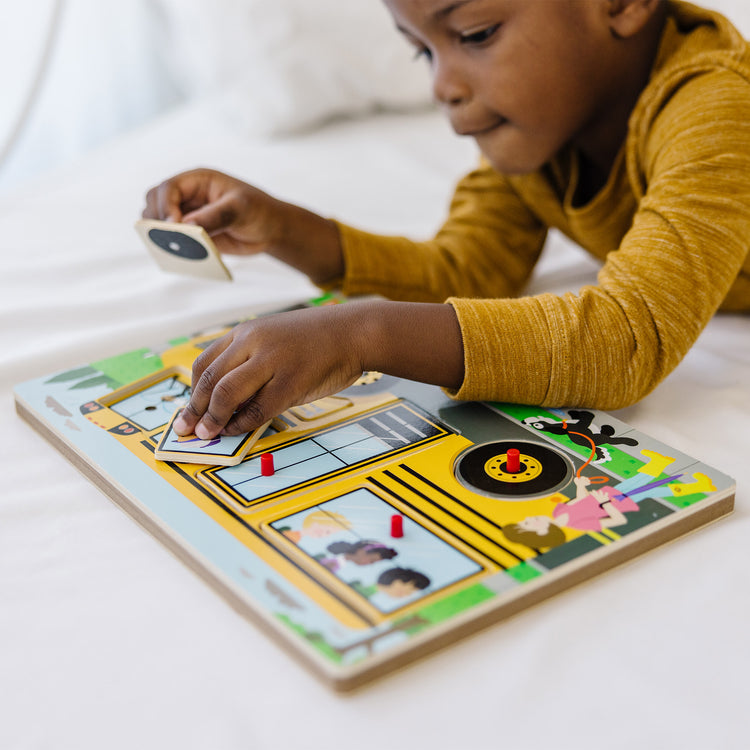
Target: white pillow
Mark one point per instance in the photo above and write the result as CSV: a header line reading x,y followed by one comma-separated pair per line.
x,y
281,66
737,11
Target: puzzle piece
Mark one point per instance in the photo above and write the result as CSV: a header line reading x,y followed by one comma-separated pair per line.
x,y
219,451
182,248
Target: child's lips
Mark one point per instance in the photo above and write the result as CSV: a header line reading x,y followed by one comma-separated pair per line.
x,y
475,131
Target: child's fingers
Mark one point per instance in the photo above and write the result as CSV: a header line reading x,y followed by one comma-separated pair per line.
x,y
169,199
238,387
163,202
190,416
185,422
187,191
216,216
222,381
262,406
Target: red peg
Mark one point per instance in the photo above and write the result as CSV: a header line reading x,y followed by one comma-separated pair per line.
x,y
266,464
513,461
397,527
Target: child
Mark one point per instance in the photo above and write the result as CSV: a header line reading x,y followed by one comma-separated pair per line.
x,y
623,123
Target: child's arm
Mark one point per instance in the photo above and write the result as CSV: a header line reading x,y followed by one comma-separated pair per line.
x,y
273,363
264,366
487,247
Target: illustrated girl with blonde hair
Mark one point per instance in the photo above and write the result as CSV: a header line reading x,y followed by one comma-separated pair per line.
x,y
318,524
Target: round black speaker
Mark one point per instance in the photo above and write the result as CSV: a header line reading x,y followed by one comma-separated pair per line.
x,y
541,470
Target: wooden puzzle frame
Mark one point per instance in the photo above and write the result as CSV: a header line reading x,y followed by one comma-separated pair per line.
x,y
383,447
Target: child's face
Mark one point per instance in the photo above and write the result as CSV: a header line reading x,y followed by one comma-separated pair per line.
x,y
522,77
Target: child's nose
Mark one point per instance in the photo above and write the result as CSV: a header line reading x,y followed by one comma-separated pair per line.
x,y
449,86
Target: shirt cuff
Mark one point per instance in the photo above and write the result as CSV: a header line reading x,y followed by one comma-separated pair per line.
x,y
506,350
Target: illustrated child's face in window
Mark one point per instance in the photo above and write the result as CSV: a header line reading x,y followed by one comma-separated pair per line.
x,y
398,589
320,530
522,77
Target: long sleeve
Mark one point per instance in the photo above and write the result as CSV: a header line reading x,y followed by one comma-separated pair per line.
x,y
487,246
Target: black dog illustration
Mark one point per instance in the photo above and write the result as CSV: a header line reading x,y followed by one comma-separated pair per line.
x,y
578,429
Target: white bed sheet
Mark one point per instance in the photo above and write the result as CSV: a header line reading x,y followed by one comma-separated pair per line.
x,y
107,641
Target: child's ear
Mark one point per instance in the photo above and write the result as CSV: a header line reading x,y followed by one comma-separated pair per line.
x,y
628,17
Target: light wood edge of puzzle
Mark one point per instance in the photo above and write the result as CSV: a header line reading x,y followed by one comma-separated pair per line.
x,y
345,679
186,457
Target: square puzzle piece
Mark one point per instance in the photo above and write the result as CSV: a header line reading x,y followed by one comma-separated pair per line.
x,y
222,450
182,248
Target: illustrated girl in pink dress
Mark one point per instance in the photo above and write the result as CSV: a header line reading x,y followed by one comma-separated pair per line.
x,y
590,510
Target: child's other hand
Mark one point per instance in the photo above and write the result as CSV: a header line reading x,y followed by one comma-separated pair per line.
x,y
239,218
265,366
243,220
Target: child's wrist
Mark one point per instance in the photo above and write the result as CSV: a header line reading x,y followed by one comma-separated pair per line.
x,y
306,241
417,341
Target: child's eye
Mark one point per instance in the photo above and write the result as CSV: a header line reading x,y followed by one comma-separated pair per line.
x,y
423,52
481,36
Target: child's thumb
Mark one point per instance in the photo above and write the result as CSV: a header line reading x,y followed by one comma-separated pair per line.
x,y
213,217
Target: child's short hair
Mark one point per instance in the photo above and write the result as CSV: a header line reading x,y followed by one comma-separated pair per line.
x,y
554,536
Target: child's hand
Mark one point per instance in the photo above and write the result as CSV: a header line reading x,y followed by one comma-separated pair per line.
x,y
240,218
265,366
243,220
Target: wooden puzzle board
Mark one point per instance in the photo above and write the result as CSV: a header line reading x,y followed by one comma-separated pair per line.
x,y
308,553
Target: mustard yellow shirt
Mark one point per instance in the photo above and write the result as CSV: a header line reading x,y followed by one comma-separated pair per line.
x,y
671,226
